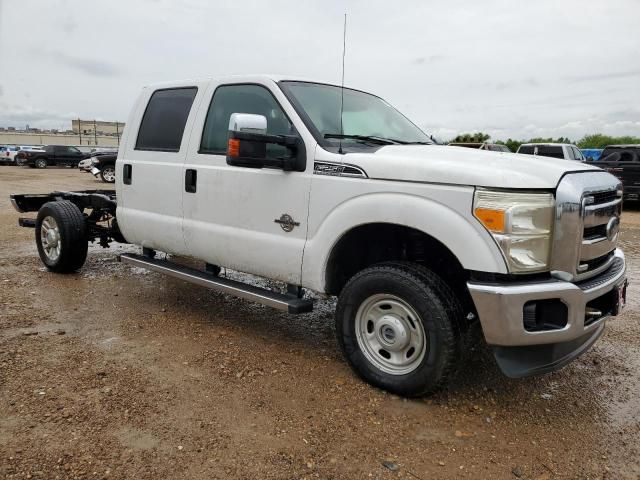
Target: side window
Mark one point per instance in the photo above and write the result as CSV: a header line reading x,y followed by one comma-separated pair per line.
x,y
526,149
255,99
550,151
626,156
578,154
164,119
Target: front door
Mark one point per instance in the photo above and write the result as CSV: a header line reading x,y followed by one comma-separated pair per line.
x,y
247,219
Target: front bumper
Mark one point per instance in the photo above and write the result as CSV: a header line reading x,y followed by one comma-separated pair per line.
x,y
521,352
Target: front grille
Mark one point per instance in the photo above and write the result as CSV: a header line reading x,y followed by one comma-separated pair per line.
x,y
599,231
604,197
598,262
597,247
616,267
585,230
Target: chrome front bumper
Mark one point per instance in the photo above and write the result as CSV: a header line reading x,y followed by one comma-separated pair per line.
x,y
500,307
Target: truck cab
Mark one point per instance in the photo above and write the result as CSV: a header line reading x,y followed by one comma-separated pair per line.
x,y
332,190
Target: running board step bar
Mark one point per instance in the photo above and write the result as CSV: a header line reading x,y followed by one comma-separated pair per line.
x,y
287,302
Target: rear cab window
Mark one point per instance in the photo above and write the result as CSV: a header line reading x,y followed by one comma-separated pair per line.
x,y
554,151
164,120
526,149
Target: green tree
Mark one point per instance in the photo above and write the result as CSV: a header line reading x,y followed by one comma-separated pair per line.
x,y
472,137
513,145
598,140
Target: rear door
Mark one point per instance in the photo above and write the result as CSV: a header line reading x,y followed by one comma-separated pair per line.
x,y
149,168
65,155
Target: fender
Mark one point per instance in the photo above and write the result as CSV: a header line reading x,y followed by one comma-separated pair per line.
x,y
454,227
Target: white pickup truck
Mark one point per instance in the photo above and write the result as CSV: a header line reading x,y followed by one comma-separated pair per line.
x,y
335,191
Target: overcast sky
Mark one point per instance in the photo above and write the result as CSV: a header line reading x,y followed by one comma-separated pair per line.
x,y
510,68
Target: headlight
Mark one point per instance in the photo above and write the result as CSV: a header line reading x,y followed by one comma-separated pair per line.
x,y
521,224
95,161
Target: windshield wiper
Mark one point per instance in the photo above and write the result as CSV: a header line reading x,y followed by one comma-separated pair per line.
x,y
366,138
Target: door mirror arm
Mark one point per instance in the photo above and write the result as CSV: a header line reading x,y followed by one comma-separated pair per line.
x,y
248,140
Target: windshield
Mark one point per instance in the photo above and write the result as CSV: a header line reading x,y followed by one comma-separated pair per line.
x,y
364,115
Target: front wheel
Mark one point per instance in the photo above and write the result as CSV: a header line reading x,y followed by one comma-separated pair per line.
x,y
108,174
398,325
61,236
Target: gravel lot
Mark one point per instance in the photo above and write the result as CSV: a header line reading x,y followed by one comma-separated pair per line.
x,y
115,372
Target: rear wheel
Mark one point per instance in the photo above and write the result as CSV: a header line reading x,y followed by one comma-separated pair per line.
x,y
108,174
61,236
40,163
398,325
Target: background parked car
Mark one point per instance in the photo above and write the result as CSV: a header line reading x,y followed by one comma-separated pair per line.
x,y
494,147
566,151
623,161
101,165
51,155
8,154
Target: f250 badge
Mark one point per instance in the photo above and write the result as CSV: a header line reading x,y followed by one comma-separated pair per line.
x,y
287,222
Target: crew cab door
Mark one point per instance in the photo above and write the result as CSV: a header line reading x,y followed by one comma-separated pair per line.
x,y
149,178
248,219
66,155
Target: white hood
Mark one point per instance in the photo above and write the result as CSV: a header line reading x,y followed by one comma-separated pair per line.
x,y
464,166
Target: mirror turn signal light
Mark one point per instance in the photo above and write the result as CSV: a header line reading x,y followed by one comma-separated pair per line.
x,y
233,147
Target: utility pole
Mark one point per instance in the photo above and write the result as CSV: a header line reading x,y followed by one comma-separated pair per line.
x,y
95,133
80,130
117,133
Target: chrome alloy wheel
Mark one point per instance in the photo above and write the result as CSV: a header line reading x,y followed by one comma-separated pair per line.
x,y
50,237
390,334
109,174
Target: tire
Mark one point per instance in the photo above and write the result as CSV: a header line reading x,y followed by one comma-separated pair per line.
x,y
421,313
40,163
64,250
108,174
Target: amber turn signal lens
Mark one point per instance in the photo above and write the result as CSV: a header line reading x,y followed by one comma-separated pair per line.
x,y
233,149
492,219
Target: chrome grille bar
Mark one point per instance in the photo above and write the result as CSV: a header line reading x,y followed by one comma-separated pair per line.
x,y
584,202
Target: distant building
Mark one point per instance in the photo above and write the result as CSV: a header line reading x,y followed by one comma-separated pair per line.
x,y
89,127
86,133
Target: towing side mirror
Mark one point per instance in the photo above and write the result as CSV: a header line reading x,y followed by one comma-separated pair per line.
x,y
248,140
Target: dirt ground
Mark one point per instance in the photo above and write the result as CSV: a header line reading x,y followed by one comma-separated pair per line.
x,y
118,373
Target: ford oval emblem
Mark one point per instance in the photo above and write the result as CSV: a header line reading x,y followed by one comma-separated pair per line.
x,y
613,227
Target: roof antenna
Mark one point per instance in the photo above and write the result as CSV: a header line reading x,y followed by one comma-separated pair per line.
x,y
344,48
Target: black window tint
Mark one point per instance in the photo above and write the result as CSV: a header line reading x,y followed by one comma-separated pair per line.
x,y
253,99
550,151
526,149
164,119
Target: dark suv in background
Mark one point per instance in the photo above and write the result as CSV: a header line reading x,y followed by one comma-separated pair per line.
x,y
623,161
50,155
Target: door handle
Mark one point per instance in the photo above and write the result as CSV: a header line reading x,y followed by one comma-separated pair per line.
x,y
126,174
190,180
